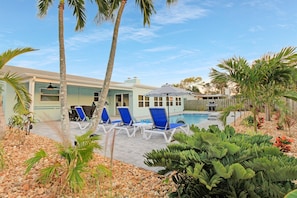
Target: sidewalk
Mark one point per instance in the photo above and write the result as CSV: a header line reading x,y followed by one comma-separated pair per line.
x,y
129,150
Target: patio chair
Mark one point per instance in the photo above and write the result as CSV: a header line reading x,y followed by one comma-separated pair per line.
x,y
106,124
127,123
83,121
162,126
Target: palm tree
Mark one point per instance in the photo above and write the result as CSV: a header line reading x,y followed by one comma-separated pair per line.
x,y
23,98
265,82
147,8
79,11
238,71
279,73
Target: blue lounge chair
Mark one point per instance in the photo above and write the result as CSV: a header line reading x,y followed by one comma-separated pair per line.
x,y
106,124
162,126
127,123
83,121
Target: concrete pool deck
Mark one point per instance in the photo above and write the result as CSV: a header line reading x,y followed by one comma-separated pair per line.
x,y
127,149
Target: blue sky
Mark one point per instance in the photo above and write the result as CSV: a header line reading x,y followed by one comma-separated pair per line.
x,y
184,40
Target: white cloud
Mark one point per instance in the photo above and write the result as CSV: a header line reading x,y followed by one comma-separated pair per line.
x,y
256,28
179,13
160,49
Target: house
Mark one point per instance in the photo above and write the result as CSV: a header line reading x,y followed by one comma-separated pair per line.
x,y
44,89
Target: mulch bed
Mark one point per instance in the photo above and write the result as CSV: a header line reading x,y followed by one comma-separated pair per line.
x,y
127,180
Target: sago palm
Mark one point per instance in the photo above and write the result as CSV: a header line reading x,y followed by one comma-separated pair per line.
x,y
23,98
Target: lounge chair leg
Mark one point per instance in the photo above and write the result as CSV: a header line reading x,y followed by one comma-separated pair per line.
x,y
147,137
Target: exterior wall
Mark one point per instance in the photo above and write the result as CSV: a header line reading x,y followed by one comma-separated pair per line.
x,y
139,112
79,95
8,96
143,112
50,110
45,110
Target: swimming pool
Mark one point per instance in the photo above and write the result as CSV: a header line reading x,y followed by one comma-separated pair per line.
x,y
188,118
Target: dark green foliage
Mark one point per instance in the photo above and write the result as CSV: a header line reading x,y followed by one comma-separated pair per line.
x,y
248,121
221,163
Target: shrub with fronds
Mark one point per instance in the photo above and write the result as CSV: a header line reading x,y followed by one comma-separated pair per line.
x,y
222,163
70,171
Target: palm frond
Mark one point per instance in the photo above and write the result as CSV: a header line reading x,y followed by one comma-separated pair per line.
x,y
147,9
9,54
78,11
43,6
23,98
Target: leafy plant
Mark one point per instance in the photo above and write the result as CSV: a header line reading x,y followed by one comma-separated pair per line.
x,y
71,166
222,163
280,126
291,194
283,143
248,121
21,122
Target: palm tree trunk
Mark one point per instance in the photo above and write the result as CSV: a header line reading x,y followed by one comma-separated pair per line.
x,y
109,69
63,84
267,112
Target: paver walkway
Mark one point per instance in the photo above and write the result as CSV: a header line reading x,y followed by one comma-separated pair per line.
x,y
129,150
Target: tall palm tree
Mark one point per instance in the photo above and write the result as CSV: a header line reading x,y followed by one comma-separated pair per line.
x,y
147,9
79,11
23,98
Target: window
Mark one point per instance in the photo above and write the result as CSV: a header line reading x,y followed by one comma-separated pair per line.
x,y
169,101
96,96
158,101
143,101
178,101
50,95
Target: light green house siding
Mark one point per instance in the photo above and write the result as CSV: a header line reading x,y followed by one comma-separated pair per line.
x,y
80,91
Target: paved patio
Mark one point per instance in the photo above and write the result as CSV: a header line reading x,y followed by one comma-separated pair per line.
x,y
129,150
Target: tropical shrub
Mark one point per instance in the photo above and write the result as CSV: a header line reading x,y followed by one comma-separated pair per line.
x,y
70,169
283,143
279,126
249,121
22,122
221,163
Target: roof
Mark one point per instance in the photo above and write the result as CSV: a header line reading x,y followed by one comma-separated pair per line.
x,y
54,77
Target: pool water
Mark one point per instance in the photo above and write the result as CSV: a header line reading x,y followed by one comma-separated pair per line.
x,y
188,118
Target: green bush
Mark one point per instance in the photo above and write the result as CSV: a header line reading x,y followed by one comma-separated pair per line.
x,y
248,121
222,163
71,170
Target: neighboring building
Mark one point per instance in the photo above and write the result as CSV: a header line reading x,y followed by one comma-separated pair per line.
x,y
44,89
